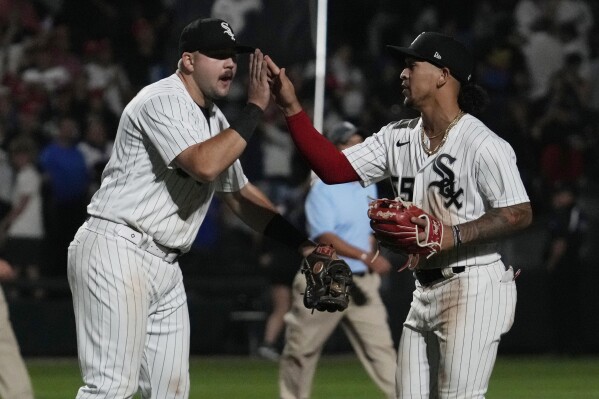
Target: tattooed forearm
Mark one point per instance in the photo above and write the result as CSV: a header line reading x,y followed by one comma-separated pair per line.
x,y
497,222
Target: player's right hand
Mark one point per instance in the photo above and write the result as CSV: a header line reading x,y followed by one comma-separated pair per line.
x,y
282,89
258,87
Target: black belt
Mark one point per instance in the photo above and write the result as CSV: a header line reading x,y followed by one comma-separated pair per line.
x,y
427,277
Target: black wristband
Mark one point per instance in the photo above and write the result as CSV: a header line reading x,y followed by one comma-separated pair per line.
x,y
246,122
281,230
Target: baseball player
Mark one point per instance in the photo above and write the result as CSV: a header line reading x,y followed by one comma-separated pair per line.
x,y
14,378
174,149
452,166
336,215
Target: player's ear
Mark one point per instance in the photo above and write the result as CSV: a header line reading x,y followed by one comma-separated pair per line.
x,y
444,76
186,61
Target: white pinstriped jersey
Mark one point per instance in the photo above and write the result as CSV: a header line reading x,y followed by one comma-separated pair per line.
x,y
473,171
141,187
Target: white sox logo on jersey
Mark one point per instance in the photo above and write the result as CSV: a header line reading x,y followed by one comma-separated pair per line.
x,y
446,185
228,30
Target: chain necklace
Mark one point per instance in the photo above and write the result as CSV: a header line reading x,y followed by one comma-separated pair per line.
x,y
445,134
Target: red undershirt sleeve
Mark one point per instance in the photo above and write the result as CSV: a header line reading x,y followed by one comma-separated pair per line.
x,y
324,158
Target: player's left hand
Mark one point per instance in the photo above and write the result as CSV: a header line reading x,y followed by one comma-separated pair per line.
x,y
405,228
446,240
258,87
328,280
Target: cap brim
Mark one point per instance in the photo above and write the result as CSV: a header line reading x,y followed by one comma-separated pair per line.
x,y
402,53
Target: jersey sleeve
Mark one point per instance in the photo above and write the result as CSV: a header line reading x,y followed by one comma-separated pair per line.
x,y
498,177
172,123
370,158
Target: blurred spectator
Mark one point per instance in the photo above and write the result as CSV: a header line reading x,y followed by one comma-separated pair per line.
x,y
346,81
106,74
22,228
6,174
527,13
66,188
60,48
544,57
145,63
567,232
594,71
44,71
575,12
96,107
560,129
96,148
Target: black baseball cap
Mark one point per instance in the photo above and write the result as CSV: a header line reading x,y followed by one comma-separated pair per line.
x,y
210,35
341,132
440,50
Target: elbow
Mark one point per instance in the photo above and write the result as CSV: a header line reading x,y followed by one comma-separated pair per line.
x,y
521,218
527,220
206,176
202,175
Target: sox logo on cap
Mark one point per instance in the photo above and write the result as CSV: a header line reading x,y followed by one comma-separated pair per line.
x,y
228,30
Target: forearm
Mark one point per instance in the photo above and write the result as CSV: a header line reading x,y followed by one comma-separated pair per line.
x,y
495,223
206,160
256,210
324,158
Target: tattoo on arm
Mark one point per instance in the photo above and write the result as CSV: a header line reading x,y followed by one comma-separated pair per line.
x,y
497,222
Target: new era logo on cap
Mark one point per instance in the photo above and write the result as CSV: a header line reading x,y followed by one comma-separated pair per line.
x,y
437,55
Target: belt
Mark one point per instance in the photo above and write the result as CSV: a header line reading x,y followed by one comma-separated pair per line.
x,y
167,254
143,241
428,276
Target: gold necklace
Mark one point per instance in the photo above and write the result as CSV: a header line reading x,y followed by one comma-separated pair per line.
x,y
445,135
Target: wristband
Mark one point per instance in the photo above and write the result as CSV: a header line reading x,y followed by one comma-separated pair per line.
x,y
281,230
246,122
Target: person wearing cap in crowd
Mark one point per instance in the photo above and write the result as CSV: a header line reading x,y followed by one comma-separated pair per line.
x,y
448,163
174,149
337,215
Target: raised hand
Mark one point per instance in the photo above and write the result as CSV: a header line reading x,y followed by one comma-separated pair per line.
x,y
258,86
282,89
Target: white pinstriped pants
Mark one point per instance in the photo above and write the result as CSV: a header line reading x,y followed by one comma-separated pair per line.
x,y
131,316
450,338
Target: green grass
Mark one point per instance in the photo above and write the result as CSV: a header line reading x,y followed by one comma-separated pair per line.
x,y
341,377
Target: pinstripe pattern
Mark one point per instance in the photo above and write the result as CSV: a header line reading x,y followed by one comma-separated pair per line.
x,y
451,335
130,305
131,318
456,326
484,168
140,187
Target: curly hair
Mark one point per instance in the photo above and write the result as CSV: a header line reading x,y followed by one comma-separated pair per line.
x,y
472,98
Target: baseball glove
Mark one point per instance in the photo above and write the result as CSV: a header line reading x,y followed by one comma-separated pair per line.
x,y
393,229
328,280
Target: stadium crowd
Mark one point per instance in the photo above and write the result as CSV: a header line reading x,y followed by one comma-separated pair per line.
x,y
67,68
